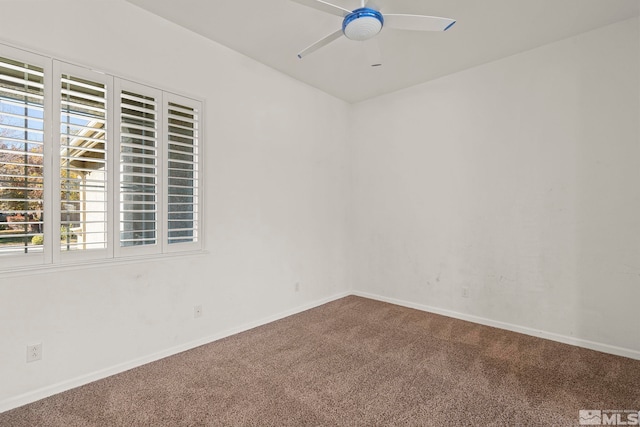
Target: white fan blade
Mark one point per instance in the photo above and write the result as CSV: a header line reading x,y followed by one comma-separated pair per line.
x,y
417,22
372,50
325,7
372,4
321,43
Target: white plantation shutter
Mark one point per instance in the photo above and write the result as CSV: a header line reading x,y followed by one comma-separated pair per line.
x,y
84,167
183,174
93,166
22,146
139,121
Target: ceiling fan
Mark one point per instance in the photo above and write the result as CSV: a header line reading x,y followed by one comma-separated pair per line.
x,y
364,23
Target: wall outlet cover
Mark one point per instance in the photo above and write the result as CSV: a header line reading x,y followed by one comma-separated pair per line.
x,y
34,352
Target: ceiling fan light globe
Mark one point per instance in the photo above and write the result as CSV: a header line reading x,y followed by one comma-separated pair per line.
x,y
362,24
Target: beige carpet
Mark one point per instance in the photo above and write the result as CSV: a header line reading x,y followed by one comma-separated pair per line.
x,y
354,362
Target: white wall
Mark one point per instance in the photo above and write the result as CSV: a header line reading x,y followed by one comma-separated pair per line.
x,y
519,179
275,205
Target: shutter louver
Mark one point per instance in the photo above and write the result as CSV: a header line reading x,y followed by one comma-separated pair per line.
x,y
83,164
21,157
138,170
182,169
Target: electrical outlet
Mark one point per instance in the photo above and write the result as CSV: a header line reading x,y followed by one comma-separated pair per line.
x,y
197,311
297,288
465,292
34,352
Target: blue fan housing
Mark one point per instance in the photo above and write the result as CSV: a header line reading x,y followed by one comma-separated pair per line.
x,y
362,24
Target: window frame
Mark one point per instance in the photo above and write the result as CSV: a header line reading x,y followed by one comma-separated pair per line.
x,y
60,68
156,248
197,106
52,255
44,257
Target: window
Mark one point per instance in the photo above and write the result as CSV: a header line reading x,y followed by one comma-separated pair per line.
x,y
93,166
182,173
22,156
139,193
83,164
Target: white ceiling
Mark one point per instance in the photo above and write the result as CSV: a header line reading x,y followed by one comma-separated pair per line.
x,y
274,31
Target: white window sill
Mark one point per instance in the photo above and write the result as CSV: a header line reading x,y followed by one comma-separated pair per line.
x,y
34,270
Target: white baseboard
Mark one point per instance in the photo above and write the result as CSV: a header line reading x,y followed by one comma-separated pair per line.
x,y
605,348
50,390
